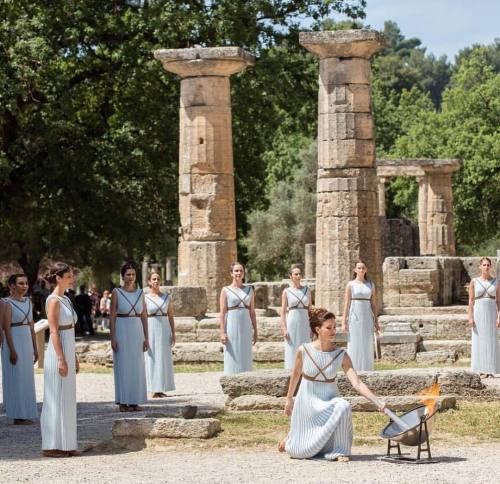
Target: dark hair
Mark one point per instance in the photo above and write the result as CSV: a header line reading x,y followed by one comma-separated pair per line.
x,y
484,258
317,316
128,265
14,277
293,267
234,264
57,269
82,288
360,261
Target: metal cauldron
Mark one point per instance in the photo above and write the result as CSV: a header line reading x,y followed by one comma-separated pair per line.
x,y
416,432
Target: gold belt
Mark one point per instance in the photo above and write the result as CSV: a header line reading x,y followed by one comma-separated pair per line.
x,y
359,299
296,307
122,315
238,307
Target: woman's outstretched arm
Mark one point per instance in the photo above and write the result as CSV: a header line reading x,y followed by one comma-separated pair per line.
x,y
294,381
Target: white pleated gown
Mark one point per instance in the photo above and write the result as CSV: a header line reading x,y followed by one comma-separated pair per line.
x,y
58,418
321,423
238,350
159,361
360,344
297,322
128,362
485,348
19,395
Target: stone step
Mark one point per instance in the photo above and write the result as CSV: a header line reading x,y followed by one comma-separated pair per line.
x,y
385,383
253,403
461,346
165,428
424,310
433,326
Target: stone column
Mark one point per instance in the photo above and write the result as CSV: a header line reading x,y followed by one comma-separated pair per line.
x,y
170,269
145,271
310,261
347,223
381,196
207,244
422,213
440,234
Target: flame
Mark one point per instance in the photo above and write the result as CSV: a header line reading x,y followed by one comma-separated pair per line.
x,y
431,393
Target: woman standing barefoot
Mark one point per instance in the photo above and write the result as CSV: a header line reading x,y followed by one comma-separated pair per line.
x,y
295,303
129,340
161,331
360,320
484,319
19,353
321,424
237,317
58,419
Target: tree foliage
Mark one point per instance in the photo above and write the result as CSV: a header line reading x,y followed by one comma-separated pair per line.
x,y
89,120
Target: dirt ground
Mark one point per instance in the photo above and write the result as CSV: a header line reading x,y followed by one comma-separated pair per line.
x,y
20,459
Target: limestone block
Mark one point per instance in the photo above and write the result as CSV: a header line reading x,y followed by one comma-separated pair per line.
x,y
347,98
262,382
101,358
416,300
403,403
269,329
186,337
269,352
208,323
347,204
205,141
346,153
206,335
342,43
339,71
419,281
188,300
248,403
461,347
461,382
345,126
166,428
205,91
81,348
364,181
453,328
198,352
399,352
394,264
206,264
429,263
438,357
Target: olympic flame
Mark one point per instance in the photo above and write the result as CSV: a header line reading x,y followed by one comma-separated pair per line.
x,y
431,394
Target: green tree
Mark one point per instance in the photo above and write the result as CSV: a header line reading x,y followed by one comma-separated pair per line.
x,y
89,120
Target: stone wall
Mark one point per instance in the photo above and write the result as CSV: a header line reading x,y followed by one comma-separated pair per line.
x,y
428,281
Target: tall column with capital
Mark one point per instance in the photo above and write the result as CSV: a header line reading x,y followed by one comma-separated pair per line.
x,y
347,216
381,196
207,239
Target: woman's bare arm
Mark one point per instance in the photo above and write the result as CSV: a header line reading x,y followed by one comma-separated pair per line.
x,y
7,320
112,321
373,303
144,319
253,316
222,316
347,304
470,309
284,305
294,381
171,320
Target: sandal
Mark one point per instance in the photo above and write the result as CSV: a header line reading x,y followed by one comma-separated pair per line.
x,y
74,453
136,408
343,458
55,453
125,408
22,421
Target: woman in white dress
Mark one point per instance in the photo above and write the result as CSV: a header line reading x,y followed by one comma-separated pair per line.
x,y
58,418
237,318
484,320
360,319
321,421
19,353
295,303
161,332
129,340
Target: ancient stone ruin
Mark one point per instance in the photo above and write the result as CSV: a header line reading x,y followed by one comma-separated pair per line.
x,y
207,236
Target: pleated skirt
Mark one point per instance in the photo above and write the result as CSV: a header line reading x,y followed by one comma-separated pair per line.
x,y
299,332
360,343
19,395
485,351
128,362
321,423
238,355
58,418
158,359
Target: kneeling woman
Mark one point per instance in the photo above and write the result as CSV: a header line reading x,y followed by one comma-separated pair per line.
x,y
321,421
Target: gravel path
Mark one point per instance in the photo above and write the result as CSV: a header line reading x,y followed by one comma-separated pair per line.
x,y
20,459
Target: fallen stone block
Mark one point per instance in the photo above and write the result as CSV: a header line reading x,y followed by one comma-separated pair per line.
x,y
448,357
264,382
165,428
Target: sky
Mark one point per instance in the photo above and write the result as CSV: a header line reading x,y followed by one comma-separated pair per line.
x,y
443,26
